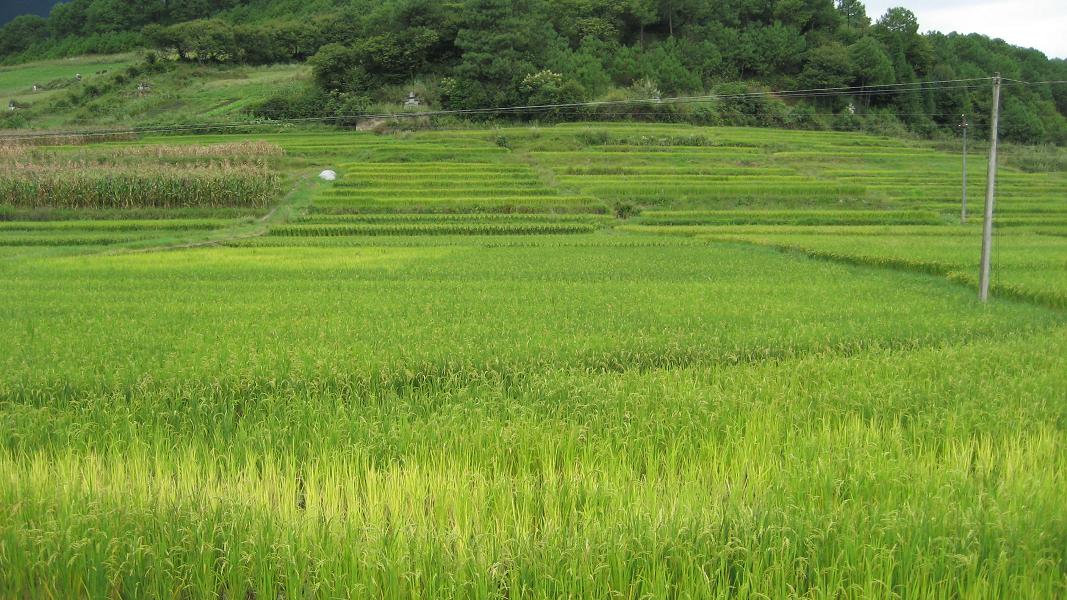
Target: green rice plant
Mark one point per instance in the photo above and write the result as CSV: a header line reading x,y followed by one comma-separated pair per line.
x,y
918,232
361,193
404,154
132,215
471,218
421,392
623,415
793,217
361,180
498,204
82,237
1051,220
1025,265
729,190
434,168
510,228
669,171
599,239
115,225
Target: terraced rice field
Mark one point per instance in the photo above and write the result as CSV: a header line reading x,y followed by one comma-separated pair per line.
x,y
578,361
459,187
1029,265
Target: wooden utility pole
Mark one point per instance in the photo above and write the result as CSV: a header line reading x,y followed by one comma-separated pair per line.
x,y
990,192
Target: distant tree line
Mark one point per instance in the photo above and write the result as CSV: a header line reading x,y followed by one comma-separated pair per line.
x,y
97,26
478,53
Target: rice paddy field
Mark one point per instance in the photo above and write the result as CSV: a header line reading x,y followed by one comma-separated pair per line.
x,y
592,360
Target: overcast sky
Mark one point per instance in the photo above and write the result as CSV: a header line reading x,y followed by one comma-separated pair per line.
x,y
1040,24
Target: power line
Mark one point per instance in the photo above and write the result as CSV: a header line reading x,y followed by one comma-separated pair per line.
x,y
1050,82
887,89
875,90
891,89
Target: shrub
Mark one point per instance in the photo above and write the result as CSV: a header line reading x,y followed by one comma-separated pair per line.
x,y
625,210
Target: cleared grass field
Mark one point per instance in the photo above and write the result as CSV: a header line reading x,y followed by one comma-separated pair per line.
x,y
181,93
53,77
747,370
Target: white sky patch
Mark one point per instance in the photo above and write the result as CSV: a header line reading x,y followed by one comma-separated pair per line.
x,y
1040,24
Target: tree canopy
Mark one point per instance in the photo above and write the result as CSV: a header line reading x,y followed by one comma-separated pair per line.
x,y
479,53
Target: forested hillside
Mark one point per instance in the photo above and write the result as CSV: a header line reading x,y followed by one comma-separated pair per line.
x,y
479,53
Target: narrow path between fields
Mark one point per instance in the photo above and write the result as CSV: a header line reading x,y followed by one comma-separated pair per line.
x,y
949,272
297,198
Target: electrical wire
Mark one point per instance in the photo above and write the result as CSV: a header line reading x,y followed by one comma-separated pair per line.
x,y
1016,82
825,92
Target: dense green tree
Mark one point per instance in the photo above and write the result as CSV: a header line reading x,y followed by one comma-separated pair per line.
x,y
702,57
333,68
162,38
502,42
186,10
640,14
392,58
1019,122
206,40
854,14
740,106
947,103
898,30
68,18
765,51
596,28
106,16
21,33
548,88
1059,92
899,21
871,66
665,65
203,40
826,67
807,15
585,65
260,45
871,63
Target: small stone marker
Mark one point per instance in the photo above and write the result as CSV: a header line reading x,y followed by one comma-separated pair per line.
x,y
328,175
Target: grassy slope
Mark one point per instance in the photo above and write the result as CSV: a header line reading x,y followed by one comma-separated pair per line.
x,y
187,93
16,82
